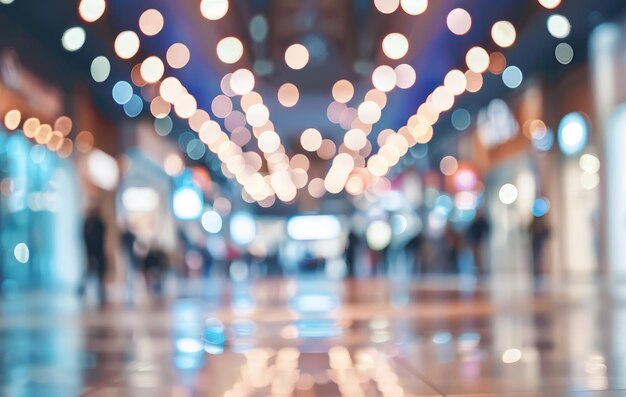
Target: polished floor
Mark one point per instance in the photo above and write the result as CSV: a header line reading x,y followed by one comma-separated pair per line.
x,y
316,337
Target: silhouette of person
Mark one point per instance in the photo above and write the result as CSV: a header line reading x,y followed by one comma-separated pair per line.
x,y
477,234
539,233
94,235
351,253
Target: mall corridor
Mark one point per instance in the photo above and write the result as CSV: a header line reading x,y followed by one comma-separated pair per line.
x,y
312,198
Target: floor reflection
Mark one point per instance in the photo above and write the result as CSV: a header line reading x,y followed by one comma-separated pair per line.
x,y
316,337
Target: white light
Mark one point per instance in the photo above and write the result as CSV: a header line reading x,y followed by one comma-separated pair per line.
x,y
313,227
559,26
91,10
229,50
573,134
102,170
511,356
21,252
73,38
242,228
414,7
378,235
589,163
395,45
187,203
100,69
140,199
126,44
369,112
211,221
508,194
189,345
213,9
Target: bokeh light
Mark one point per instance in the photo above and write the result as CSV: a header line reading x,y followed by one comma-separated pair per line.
x,y
126,44
395,45
100,69
91,10
459,21
177,55
503,34
151,22
296,56
214,10
559,26
73,38
229,50
414,7
288,95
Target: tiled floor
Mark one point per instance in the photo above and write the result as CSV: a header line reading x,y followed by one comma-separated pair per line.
x,y
315,337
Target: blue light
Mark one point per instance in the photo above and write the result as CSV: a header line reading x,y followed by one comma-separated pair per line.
x,y
122,92
195,149
512,77
163,126
544,142
461,119
133,107
541,206
573,134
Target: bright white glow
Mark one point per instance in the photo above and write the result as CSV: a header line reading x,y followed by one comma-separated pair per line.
x,y
73,38
242,81
229,50
213,9
378,235
102,170
140,199
126,44
573,134
313,227
414,7
257,115
91,10
395,45
477,59
511,356
550,4
189,345
211,221
296,56
503,33
384,78
21,252
459,21
369,112
187,203
559,26
152,69
508,193
589,163
242,228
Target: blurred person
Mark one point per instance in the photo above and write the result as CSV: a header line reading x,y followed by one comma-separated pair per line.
x,y
477,234
351,253
129,241
154,266
94,232
413,250
539,233
454,244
